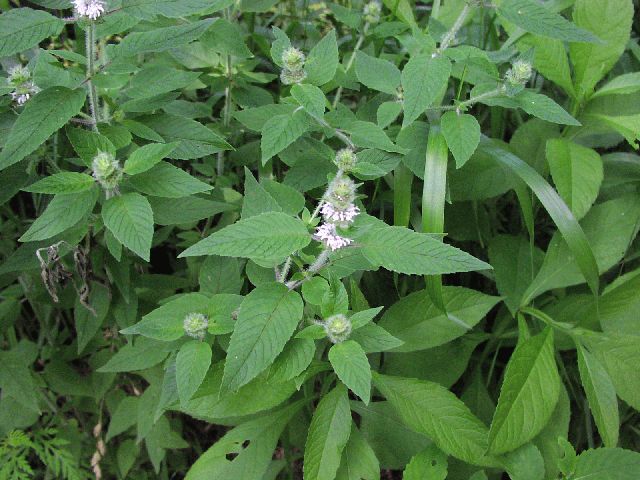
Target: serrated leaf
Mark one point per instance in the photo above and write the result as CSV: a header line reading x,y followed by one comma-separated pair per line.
x,y
402,250
63,182
87,143
534,17
281,131
606,464
294,359
87,322
167,181
377,73
577,173
62,213
166,323
423,78
155,80
322,60
417,321
543,107
149,9
256,199
528,395
601,395
358,459
130,218
23,28
145,353
431,409
43,115
328,435
429,464
620,85
462,133
147,156
267,319
268,236
192,363
310,97
352,367
369,135
161,39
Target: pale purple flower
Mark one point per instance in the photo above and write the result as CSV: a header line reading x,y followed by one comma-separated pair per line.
x,y
333,214
89,8
328,235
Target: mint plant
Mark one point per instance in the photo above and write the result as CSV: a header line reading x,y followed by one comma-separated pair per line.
x,y
320,240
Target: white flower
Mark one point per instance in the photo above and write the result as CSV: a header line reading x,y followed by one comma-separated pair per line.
x,y
195,325
328,235
23,88
89,8
338,215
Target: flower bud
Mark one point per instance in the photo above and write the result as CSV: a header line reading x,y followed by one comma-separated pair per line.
x,y
107,171
18,75
293,59
23,87
195,325
346,159
289,77
372,12
341,193
337,328
519,73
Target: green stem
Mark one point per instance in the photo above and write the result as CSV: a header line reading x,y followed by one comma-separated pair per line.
x,y
457,25
361,38
91,56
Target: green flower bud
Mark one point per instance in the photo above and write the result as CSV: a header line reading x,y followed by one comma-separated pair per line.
x,y
372,12
107,171
293,59
519,73
345,159
195,325
18,75
289,77
337,328
342,193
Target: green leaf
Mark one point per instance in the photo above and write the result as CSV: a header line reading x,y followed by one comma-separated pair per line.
x,y
377,73
543,107
161,39
536,18
268,317
431,409
23,28
358,459
43,115
611,21
62,213
148,9
607,464
281,131
609,228
309,97
369,135
618,307
402,250
373,338
626,125
124,417
328,435
577,172
256,199
167,322
525,463
177,211
424,78
417,321
429,464
268,236
226,38
322,61
601,395
352,367
294,359
620,85
87,144
168,181
130,218
88,323
145,353
620,355
462,133
146,157
557,209
550,59
528,395
157,79
192,363
63,182
196,140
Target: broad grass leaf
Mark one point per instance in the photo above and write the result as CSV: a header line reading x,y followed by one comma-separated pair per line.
x,y
528,395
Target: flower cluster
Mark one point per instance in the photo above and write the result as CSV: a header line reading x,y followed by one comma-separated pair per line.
x,y
195,325
338,208
517,76
23,87
107,172
293,71
337,328
91,9
372,12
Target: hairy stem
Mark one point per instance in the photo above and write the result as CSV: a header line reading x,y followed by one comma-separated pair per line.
x,y
457,25
361,38
91,57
